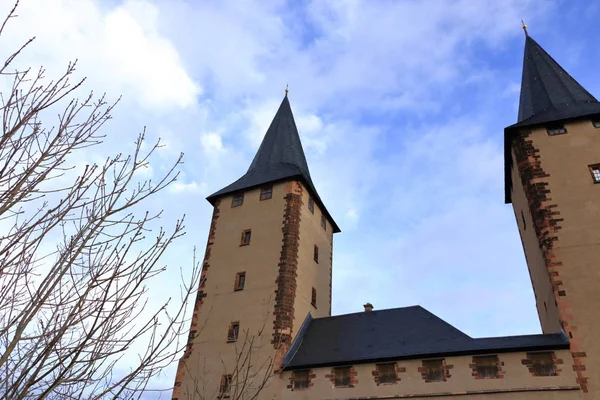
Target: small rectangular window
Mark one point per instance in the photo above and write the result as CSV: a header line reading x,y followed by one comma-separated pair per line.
x,y
225,386
237,200
233,331
323,222
301,379
487,366
246,236
595,170
311,205
596,123
313,298
316,254
542,363
556,130
387,373
240,281
266,193
434,370
342,376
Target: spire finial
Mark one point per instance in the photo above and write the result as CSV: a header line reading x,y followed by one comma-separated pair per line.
x,y
524,28
286,89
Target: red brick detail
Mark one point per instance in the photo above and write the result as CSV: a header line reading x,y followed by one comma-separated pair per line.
x,y
285,294
179,376
445,368
528,362
499,365
311,377
546,222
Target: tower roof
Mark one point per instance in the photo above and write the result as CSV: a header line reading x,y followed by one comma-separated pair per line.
x,y
548,94
280,156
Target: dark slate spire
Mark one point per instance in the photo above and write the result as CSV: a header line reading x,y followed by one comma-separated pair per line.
x,y
548,92
280,156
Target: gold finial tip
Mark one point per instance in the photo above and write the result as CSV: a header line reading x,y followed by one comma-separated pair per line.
x,y
524,26
286,89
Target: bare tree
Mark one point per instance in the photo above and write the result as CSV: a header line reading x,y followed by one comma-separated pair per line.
x,y
77,249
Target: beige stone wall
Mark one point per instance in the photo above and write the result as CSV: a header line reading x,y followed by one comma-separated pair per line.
x,y
517,382
252,306
310,273
571,212
540,279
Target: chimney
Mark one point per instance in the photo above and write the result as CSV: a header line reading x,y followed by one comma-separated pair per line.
x,y
368,307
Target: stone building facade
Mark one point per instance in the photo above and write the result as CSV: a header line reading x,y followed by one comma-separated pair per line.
x,y
262,325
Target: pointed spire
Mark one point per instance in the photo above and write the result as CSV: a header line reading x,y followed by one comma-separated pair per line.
x,y
524,28
279,157
548,92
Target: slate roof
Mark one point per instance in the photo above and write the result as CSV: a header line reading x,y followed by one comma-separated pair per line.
x,y
394,334
548,94
280,156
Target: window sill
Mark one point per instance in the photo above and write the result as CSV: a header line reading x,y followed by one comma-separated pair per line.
x,y
244,244
387,383
237,289
344,387
231,340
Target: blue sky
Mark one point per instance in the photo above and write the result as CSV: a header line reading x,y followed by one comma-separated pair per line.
x,y
401,107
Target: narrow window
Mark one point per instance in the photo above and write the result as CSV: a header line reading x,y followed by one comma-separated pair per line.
x,y
595,170
434,370
225,386
237,200
316,254
301,379
240,281
486,366
596,123
387,373
313,298
233,332
323,222
523,219
266,193
246,235
542,363
311,205
556,130
342,377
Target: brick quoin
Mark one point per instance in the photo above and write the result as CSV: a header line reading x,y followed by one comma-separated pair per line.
x,y
198,304
285,294
547,224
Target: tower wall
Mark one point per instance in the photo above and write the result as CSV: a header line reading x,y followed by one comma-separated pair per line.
x,y
563,206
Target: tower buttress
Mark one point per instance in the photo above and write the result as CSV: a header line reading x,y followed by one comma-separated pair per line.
x,y
551,155
267,266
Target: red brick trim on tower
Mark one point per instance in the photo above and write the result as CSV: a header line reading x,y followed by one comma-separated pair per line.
x,y
285,294
198,304
546,222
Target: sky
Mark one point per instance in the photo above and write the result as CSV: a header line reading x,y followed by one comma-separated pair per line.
x,y
400,105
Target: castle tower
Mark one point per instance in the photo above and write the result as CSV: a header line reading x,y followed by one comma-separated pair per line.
x,y
268,264
552,167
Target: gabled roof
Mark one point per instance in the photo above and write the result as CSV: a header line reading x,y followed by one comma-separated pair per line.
x,y
394,334
279,157
548,94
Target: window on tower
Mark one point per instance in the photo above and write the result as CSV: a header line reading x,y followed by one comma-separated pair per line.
x,y
595,170
386,373
246,236
233,332
433,370
240,281
342,376
323,222
554,130
237,200
596,123
301,379
266,193
313,298
486,366
311,205
316,254
225,386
